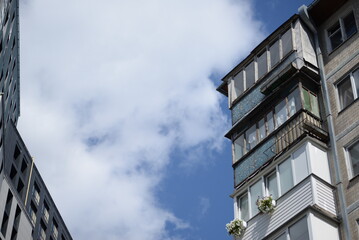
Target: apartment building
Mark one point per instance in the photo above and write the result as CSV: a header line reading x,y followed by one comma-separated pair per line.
x,y
27,210
295,127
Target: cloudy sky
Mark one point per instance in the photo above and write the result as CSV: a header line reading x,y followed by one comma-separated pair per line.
x,y
119,109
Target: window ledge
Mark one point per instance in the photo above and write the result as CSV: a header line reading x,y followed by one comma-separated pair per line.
x,y
352,103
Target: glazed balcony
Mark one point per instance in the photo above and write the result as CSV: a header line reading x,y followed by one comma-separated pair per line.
x,y
312,192
303,123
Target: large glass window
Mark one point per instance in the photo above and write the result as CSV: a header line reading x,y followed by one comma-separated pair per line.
x,y
256,192
243,207
299,230
270,122
293,102
354,158
287,44
282,237
251,137
262,64
285,175
250,77
237,86
238,148
281,113
341,30
300,164
274,53
310,102
261,129
272,186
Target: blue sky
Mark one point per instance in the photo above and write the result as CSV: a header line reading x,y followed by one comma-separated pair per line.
x,y
119,109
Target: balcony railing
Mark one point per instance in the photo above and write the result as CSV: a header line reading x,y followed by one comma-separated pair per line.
x,y
301,124
311,192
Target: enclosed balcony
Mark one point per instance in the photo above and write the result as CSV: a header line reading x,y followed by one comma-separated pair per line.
x,y
311,193
301,124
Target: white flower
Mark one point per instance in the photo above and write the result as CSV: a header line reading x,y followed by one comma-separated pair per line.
x,y
236,227
266,204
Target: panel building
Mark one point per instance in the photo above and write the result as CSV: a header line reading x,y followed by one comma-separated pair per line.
x,y
27,210
295,127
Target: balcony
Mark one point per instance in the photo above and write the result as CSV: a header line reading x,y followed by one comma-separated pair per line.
x,y
301,124
311,192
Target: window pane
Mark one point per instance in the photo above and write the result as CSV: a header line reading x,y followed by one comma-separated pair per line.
x,y
262,129
287,44
243,207
281,113
356,81
285,174
300,164
262,64
335,35
272,186
345,93
299,231
256,192
314,104
354,158
349,25
306,100
293,102
274,53
250,75
238,148
251,138
238,84
270,122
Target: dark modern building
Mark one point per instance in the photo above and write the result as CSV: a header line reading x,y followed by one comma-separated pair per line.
x,y
27,210
295,127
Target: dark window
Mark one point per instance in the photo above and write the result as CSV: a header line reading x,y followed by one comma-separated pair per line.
x,y
341,30
353,152
348,89
6,213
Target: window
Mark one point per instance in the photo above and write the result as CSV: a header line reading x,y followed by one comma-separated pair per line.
x,y
45,212
353,155
55,231
285,176
287,44
250,75
262,64
255,193
299,230
36,193
32,212
238,148
42,232
348,89
272,185
281,113
261,129
341,30
243,207
274,53
251,137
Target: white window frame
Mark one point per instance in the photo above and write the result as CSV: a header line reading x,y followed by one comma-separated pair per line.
x,y
342,30
353,86
348,159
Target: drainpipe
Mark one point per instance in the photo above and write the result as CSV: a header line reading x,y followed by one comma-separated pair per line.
x,y
303,13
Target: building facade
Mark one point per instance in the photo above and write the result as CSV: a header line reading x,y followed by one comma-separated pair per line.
x,y
27,210
295,126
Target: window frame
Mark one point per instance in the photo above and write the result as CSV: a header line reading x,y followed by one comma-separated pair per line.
x,y
348,159
353,86
342,30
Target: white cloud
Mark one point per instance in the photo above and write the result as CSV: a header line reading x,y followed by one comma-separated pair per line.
x,y
110,88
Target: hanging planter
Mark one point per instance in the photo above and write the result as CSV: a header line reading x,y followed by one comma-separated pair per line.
x,y
236,227
266,204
